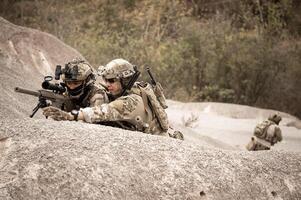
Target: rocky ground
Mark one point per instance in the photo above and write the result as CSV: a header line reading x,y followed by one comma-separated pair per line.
x,y
44,159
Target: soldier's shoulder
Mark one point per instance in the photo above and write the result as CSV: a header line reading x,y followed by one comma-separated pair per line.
x,y
133,99
97,92
130,96
126,104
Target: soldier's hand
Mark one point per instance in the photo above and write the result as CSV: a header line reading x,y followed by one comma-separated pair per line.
x,y
57,114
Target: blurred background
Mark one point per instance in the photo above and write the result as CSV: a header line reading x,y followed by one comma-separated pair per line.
x,y
236,51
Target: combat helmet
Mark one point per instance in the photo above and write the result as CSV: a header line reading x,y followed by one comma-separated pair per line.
x,y
77,70
275,118
119,69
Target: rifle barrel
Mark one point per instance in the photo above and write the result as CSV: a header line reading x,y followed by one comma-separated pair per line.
x,y
25,91
42,93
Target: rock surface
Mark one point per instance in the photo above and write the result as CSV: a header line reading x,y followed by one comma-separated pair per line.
x,y
26,56
44,159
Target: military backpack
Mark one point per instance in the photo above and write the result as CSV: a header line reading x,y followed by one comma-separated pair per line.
x,y
154,102
261,129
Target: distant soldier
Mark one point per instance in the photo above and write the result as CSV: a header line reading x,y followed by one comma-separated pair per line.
x,y
266,134
79,80
132,107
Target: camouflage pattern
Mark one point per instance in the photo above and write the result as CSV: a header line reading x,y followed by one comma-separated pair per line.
x,y
261,129
118,68
57,114
93,96
84,70
266,134
139,110
151,102
134,109
90,94
175,134
257,144
129,109
158,90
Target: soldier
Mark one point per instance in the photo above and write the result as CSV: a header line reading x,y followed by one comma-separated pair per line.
x,y
79,79
127,109
266,134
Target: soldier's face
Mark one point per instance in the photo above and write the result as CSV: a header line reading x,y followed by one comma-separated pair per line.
x,y
73,84
114,86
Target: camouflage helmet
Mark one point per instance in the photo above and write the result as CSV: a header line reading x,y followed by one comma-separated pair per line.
x,y
275,118
77,70
118,68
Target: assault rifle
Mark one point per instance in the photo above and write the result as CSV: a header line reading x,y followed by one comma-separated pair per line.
x,y
55,95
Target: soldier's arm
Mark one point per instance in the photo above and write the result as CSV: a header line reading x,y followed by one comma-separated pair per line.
x,y
98,97
117,110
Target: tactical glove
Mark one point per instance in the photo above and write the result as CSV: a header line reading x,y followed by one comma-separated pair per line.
x,y
57,114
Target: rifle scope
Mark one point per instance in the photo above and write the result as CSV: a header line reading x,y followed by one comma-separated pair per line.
x,y
55,87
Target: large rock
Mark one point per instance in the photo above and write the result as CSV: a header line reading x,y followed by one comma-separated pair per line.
x,y
43,159
26,56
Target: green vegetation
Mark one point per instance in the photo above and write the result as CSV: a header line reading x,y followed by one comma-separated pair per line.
x,y
238,51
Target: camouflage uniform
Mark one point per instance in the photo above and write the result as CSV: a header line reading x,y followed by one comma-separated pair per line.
x,y
138,109
266,134
93,96
88,94
128,111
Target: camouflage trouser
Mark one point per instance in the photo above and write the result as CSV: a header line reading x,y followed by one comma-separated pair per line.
x,y
257,145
